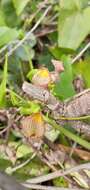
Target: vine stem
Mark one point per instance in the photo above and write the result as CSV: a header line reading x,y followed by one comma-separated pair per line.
x,y
75,118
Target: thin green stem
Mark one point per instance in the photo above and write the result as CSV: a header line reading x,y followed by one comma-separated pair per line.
x,y
75,118
68,133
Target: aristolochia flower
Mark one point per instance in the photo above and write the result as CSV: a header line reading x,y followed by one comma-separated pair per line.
x,y
41,78
33,126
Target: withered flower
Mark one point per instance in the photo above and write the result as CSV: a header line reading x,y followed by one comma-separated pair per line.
x,y
44,78
33,126
41,78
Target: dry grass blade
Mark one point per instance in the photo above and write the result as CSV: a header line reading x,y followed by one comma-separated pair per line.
x,y
42,187
58,173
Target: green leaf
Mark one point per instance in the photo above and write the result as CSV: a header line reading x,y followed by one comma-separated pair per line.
x,y
73,27
7,34
3,85
23,150
9,13
15,98
58,52
2,20
83,68
25,107
60,182
4,163
28,108
20,5
64,88
73,4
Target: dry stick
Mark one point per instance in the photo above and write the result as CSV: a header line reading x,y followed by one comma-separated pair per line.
x,y
28,33
42,187
58,173
81,53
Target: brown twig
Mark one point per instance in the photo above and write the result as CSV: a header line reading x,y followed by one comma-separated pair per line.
x,y
81,53
43,187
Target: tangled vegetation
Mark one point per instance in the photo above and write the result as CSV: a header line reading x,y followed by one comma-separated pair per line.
x,y
45,92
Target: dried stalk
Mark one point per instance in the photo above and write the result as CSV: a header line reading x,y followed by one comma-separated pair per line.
x,y
44,187
58,173
79,55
